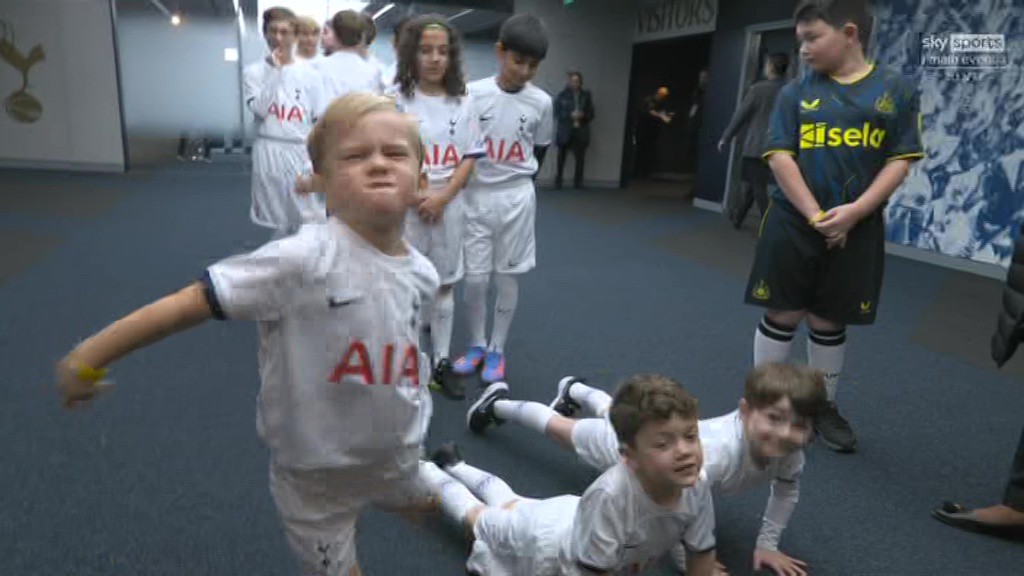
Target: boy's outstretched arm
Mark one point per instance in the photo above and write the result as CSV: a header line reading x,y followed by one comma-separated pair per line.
x,y
77,378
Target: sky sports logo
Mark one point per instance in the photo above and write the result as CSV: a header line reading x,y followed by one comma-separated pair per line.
x,y
964,51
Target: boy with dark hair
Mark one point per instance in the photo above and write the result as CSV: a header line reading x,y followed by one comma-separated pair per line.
x,y
650,501
517,123
346,70
840,141
759,443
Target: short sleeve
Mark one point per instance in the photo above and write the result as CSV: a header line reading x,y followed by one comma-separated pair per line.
x,y
474,146
783,129
906,137
258,285
700,534
597,532
546,129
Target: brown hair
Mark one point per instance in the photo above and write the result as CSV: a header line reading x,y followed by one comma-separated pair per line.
x,y
836,13
769,383
348,27
407,74
648,398
276,13
371,28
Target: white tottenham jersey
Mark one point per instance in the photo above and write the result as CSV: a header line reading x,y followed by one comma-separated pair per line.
x,y
511,125
343,381
620,530
729,466
286,101
449,131
346,72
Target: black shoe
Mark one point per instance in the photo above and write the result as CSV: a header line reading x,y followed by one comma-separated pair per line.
x,y
448,455
563,403
446,382
959,517
481,413
834,430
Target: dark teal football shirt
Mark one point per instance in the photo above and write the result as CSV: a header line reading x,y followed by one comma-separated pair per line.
x,y
843,134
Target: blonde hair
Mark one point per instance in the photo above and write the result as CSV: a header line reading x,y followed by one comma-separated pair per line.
x,y
339,119
308,24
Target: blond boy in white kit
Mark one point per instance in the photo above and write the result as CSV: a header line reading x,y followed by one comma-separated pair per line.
x,y
286,96
343,400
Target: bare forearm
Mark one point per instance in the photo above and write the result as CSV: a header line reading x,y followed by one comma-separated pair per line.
x,y
787,174
887,181
460,177
700,564
180,311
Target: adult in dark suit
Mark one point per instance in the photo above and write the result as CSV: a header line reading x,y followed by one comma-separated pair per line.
x,y
1007,518
574,110
753,115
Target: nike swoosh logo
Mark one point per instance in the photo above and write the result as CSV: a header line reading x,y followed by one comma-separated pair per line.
x,y
340,302
486,117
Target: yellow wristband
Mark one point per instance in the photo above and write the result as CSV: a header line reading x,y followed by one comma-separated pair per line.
x,y
817,217
90,374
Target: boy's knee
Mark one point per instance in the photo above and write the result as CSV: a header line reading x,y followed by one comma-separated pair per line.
x,y
822,325
786,318
559,429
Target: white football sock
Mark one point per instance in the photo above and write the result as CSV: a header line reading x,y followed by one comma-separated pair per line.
x,y
476,308
504,309
594,399
441,323
533,415
772,343
826,351
486,486
456,500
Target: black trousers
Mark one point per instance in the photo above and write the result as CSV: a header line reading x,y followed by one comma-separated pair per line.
x,y
578,153
1014,496
756,176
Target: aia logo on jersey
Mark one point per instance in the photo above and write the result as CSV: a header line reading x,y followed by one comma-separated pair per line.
x,y
286,113
438,156
505,152
356,362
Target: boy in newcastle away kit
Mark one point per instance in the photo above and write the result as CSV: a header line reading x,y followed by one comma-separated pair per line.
x,y
517,123
840,141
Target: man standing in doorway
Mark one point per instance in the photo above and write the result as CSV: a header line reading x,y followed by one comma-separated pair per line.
x,y
753,115
653,114
574,110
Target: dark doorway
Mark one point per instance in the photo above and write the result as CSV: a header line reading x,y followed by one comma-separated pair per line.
x,y
675,64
